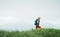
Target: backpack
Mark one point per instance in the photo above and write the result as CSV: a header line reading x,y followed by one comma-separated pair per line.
x,y
36,22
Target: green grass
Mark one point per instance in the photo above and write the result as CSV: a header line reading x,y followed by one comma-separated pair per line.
x,y
31,33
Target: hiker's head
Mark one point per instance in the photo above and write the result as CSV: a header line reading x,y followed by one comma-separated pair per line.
x,y
38,18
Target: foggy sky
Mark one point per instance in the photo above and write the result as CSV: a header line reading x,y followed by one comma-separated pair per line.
x,y
13,11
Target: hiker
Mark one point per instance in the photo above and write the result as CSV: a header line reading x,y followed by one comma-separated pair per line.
x,y
37,22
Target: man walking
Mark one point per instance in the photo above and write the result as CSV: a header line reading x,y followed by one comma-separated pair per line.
x,y
37,22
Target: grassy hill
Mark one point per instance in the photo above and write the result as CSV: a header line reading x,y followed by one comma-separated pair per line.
x,y
31,33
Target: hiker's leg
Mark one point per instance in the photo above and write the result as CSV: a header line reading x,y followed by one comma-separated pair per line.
x,y
40,28
36,28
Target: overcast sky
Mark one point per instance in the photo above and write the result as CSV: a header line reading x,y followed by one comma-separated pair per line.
x,y
26,11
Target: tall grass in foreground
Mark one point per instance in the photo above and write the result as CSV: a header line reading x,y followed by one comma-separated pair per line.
x,y
31,33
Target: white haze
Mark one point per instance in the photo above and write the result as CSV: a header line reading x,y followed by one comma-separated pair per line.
x,y
21,14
